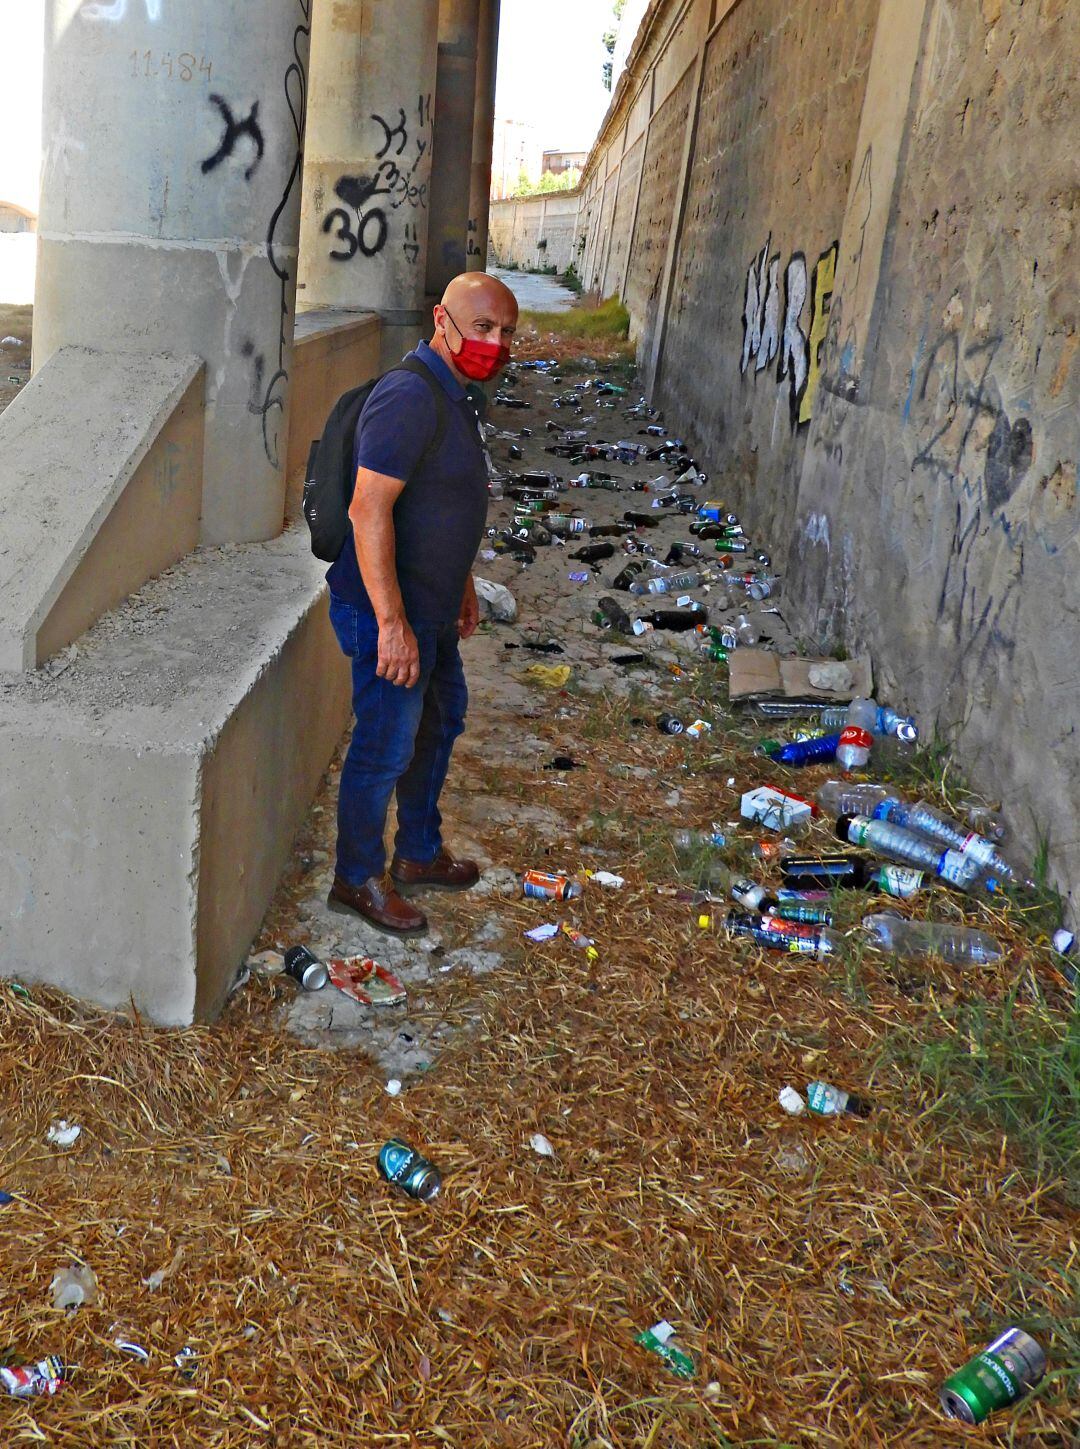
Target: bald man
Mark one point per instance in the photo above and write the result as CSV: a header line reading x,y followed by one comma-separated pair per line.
x,y
402,596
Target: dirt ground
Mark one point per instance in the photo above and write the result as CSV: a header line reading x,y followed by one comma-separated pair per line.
x,y
15,324
824,1275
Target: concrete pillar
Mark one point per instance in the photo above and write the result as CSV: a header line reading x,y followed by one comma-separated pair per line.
x,y
367,163
451,174
169,214
483,138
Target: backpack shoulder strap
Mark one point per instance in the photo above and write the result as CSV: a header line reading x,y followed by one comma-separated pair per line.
x,y
438,393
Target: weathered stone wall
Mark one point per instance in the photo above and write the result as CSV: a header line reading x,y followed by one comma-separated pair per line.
x,y
534,231
851,275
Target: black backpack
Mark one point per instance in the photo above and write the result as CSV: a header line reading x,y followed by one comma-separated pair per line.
x,y
329,480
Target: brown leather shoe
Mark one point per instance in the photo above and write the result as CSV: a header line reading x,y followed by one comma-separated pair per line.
x,y
444,873
379,904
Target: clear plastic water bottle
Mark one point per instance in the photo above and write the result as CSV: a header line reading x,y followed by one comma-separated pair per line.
x,y
878,719
893,842
674,583
687,840
986,821
663,484
837,797
746,633
959,945
927,820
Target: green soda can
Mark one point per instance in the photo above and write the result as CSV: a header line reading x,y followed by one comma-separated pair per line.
x,y
801,912
1004,1371
405,1168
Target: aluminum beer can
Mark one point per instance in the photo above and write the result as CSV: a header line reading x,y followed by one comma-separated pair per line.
x,y
405,1168
549,885
305,968
998,1376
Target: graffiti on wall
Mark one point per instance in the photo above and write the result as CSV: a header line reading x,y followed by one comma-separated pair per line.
x,y
361,226
774,334
234,130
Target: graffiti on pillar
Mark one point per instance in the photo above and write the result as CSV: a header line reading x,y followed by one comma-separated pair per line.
x,y
764,338
361,225
472,247
234,131
117,9
272,406
411,245
158,65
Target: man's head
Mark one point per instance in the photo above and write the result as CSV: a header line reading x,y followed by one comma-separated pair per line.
x,y
474,325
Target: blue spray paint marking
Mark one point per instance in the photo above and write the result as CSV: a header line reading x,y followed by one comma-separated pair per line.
x,y
912,377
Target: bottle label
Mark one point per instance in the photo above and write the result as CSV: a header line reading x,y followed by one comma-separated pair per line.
x,y
825,1100
957,869
976,848
858,830
900,881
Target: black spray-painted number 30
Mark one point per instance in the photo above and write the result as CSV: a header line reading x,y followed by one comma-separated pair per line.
x,y
367,239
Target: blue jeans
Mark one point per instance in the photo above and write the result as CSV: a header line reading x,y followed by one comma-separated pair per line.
x,y
402,738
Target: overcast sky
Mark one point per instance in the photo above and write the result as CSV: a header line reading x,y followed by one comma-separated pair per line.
x,y
550,63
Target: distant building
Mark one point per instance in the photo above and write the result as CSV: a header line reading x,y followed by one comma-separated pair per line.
x,y
16,218
516,151
559,161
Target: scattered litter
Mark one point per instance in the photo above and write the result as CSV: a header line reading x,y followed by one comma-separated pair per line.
x,y
550,885
546,932
578,939
775,808
550,676
365,981
995,1378
305,968
564,762
267,963
12,342
74,1286
496,601
541,1146
607,879
46,1377
658,1340
6,1198
393,1087
63,1133
136,1350
187,1361
403,1166
825,1100
792,1102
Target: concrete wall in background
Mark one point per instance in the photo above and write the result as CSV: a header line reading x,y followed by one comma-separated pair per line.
x,y
535,231
844,235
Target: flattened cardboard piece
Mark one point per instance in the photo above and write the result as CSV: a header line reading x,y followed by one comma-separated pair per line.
x,y
757,673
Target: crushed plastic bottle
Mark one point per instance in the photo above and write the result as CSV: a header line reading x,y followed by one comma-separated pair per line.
x,y
932,823
825,1100
838,797
687,840
895,843
958,945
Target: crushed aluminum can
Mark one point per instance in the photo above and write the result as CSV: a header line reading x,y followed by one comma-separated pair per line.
x,y
187,1361
1002,1373
44,1377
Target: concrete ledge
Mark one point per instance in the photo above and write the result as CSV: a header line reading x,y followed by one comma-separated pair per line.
x,y
151,792
332,351
100,489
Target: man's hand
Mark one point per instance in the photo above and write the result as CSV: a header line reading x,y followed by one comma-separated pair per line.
x,y
470,610
399,654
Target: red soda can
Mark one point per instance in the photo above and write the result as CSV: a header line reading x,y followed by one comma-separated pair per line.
x,y
550,885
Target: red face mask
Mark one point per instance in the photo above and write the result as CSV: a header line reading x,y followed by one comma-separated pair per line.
x,y
479,361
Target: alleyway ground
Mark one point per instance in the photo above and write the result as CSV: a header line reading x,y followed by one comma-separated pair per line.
x,y
825,1275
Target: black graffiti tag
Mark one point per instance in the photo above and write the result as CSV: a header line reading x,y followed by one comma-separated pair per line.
x,y
361,240
234,129
392,131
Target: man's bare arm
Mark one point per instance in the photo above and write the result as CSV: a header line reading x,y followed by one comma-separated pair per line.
x,y
372,516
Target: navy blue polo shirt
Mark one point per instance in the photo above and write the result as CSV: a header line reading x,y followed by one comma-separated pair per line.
x,y
440,514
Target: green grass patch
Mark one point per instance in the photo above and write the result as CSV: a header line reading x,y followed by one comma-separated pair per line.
x,y
610,322
1014,1063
